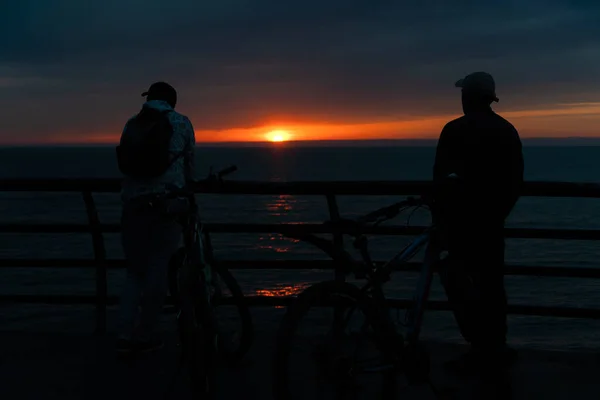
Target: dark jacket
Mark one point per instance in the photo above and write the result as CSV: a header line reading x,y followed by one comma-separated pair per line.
x,y
485,151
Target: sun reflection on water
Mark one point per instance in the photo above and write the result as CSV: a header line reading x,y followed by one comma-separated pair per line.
x,y
281,204
282,290
278,206
276,242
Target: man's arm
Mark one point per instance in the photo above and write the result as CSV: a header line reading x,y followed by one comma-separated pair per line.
x,y
514,174
443,153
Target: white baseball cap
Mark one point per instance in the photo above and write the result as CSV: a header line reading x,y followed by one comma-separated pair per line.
x,y
478,82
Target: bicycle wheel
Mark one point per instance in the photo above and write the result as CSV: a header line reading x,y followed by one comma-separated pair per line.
x,y
173,276
235,329
197,337
332,369
233,341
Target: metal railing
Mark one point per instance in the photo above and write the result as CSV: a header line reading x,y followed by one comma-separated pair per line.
x,y
328,189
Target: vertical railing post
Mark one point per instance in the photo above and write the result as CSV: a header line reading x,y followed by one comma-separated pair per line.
x,y
100,261
338,242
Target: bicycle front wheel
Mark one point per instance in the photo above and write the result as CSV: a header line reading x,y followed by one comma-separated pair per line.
x,y
231,311
234,321
175,265
368,372
197,337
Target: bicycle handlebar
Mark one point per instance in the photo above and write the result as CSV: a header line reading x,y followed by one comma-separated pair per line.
x,y
355,226
212,177
220,174
390,212
227,171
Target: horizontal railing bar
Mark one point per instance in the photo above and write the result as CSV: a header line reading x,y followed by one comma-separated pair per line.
x,y
113,185
59,263
299,228
55,228
270,301
440,305
58,299
510,269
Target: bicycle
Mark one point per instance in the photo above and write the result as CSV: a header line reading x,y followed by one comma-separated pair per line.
x,y
396,353
194,286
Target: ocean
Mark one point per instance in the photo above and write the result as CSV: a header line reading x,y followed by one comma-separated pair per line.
x,y
290,163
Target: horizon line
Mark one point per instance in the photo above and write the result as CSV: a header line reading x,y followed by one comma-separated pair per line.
x,y
548,139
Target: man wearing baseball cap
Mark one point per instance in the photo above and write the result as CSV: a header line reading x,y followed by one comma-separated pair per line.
x,y
161,91
478,173
150,236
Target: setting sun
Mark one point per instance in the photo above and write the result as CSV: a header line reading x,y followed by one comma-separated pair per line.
x,y
278,136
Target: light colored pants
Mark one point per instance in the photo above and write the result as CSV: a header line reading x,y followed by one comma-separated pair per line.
x,y
149,240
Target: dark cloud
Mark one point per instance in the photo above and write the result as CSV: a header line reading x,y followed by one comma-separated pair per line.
x,y
75,66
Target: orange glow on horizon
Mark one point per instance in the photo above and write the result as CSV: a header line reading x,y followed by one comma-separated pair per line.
x,y
563,120
278,135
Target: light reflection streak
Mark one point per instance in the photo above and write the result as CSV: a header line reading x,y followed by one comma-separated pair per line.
x,y
278,206
283,290
276,242
281,204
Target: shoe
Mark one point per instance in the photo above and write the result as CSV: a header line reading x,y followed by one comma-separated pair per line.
x,y
148,346
124,346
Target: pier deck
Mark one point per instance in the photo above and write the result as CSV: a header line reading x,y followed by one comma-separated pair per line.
x,y
41,364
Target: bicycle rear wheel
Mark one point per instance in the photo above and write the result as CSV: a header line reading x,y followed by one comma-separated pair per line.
x,y
332,369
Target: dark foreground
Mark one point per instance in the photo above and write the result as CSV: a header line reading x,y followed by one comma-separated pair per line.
x,y
42,365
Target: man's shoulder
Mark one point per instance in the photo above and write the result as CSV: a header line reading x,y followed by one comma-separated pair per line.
x,y
457,121
180,123
501,120
455,124
128,121
175,116
490,118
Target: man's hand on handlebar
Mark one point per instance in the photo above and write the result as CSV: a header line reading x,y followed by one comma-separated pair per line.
x,y
218,176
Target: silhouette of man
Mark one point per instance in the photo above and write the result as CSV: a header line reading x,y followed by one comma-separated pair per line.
x,y
478,173
150,235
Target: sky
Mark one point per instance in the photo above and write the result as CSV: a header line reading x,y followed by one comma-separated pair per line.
x,y
72,71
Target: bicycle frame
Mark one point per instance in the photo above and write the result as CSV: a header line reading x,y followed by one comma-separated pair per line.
x,y
195,317
415,312
415,316
376,280
197,247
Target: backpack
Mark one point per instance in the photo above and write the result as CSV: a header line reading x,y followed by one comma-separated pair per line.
x,y
143,151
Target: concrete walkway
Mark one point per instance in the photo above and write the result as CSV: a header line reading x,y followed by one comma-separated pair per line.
x,y
49,366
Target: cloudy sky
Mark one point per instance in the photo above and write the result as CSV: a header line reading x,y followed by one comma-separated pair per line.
x,y
73,70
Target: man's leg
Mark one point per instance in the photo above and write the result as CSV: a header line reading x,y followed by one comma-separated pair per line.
x,y
134,238
490,305
493,357
458,287
165,238
128,305
456,281
479,300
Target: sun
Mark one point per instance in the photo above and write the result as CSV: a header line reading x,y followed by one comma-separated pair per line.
x,y
278,135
